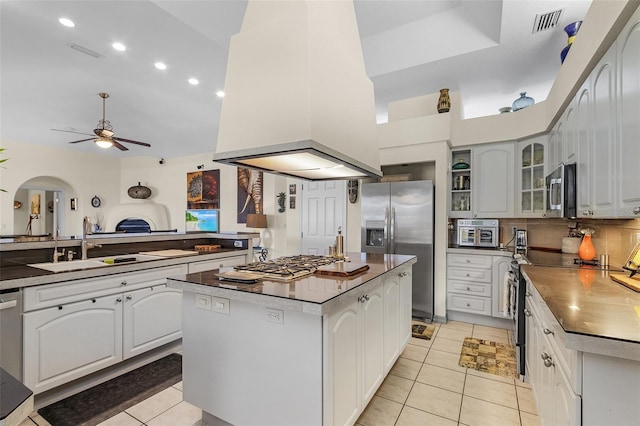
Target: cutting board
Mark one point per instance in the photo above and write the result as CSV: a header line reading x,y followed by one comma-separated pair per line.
x,y
342,269
632,283
169,253
207,247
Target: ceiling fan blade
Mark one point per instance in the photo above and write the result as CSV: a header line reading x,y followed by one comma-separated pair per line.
x,y
71,131
120,146
130,141
83,140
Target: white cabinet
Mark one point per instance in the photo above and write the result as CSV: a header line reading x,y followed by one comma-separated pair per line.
x,y
392,321
406,290
207,265
584,141
628,109
493,180
102,329
554,372
461,184
569,137
500,267
371,331
469,283
152,317
65,342
530,177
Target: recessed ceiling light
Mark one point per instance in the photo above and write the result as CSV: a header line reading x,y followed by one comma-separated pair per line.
x,y
220,93
119,46
160,65
194,81
67,22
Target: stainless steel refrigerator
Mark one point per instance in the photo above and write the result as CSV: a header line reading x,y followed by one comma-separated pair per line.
x,y
397,218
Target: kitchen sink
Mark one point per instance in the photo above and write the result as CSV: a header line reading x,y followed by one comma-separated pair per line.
x,y
98,262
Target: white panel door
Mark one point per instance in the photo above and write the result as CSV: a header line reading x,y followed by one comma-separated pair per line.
x,y
604,132
66,342
323,211
629,123
152,317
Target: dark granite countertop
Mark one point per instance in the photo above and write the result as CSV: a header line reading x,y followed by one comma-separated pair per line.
x,y
316,289
586,301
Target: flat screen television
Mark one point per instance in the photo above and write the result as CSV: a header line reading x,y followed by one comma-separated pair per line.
x,y
202,220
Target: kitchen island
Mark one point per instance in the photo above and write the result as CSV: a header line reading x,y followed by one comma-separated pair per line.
x,y
309,351
583,346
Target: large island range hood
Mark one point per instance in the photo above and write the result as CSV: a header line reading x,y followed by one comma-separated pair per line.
x,y
298,101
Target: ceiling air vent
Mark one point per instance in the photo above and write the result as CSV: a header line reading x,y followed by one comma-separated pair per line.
x,y
546,21
85,50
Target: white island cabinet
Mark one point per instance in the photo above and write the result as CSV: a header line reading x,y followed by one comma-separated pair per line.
x,y
312,351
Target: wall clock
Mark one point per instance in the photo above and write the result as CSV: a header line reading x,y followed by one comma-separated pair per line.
x,y
95,201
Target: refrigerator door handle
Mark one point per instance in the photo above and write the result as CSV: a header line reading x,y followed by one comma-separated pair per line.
x,y
393,230
386,229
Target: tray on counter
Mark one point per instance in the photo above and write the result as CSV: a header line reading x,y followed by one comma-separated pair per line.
x,y
239,276
342,269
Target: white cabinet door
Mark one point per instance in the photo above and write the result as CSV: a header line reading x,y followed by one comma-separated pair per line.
x,y
584,122
555,145
53,354
604,136
531,171
566,404
501,266
629,123
152,317
406,290
493,180
569,135
372,331
392,320
343,353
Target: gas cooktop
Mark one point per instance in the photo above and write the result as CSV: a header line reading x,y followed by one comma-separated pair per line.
x,y
288,267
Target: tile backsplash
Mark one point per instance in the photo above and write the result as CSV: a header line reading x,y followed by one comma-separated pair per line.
x,y
615,237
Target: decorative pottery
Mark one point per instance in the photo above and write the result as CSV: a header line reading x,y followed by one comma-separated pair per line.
x,y
522,102
140,192
460,165
571,30
587,250
444,102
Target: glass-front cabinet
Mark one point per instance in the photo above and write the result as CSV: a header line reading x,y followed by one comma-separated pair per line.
x,y
531,177
460,199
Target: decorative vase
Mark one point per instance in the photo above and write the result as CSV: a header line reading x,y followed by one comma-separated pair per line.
x,y
587,250
522,102
444,102
571,30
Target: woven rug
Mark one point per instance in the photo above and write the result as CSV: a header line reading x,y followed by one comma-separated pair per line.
x,y
105,400
422,330
488,356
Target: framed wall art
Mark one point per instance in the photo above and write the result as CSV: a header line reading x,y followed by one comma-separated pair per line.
x,y
249,193
203,190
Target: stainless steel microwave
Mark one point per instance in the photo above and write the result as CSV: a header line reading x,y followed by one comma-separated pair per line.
x,y
478,233
561,192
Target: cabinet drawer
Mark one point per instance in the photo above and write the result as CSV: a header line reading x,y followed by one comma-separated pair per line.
x,y
475,305
469,260
472,289
44,296
208,265
468,274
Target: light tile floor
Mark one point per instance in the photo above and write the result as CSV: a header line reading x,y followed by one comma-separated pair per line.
x,y
426,386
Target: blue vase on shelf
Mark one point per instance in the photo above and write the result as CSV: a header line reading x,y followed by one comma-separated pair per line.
x,y
571,30
522,102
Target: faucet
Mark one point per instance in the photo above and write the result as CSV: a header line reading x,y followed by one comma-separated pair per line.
x,y
56,254
86,229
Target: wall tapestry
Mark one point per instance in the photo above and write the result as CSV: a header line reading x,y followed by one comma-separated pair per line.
x,y
203,190
249,193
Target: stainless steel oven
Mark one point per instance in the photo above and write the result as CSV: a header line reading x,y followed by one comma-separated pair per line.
x,y
478,233
517,291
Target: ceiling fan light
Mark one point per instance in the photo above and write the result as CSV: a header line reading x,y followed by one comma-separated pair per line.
x,y
104,143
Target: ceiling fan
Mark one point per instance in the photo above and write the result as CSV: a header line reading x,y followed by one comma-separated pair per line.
x,y
104,134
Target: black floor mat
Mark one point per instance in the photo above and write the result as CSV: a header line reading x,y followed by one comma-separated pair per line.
x,y
104,401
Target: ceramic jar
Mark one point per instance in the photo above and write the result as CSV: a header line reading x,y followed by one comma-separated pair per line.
x,y
444,102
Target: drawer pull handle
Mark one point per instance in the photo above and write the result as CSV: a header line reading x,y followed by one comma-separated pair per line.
x,y
129,297
527,312
468,305
59,307
402,274
93,300
527,294
545,355
547,331
636,210
119,299
124,282
468,275
548,362
468,289
468,260
363,298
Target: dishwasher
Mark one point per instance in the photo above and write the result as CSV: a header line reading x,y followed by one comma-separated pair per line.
x,y
11,332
